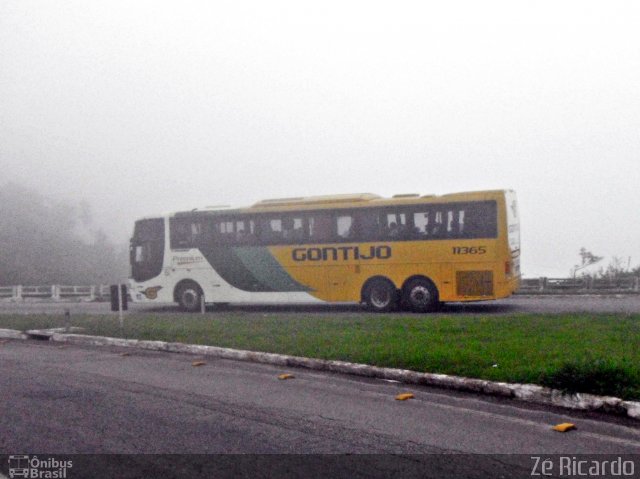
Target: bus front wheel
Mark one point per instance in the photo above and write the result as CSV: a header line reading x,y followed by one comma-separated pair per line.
x,y
420,295
189,297
380,295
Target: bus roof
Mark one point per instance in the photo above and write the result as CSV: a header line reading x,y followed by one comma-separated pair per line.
x,y
341,201
317,200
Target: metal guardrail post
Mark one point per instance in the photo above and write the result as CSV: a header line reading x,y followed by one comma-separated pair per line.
x,y
55,292
92,294
18,296
543,283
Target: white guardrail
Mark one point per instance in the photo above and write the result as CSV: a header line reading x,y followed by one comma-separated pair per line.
x,y
543,285
57,292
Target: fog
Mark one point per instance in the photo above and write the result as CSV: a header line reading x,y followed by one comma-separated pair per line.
x,y
138,108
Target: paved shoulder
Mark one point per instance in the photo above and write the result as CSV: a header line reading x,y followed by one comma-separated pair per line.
x,y
69,399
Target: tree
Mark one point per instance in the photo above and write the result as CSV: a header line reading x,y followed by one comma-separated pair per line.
x,y
588,258
617,269
45,241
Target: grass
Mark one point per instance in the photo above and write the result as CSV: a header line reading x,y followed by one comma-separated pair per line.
x,y
573,352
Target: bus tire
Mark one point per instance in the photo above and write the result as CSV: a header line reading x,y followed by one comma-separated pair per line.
x,y
380,295
189,296
420,295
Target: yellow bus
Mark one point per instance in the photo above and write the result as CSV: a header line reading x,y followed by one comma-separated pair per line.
x,y
408,251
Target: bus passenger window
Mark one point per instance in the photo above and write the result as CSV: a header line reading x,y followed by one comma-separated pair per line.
x,y
455,223
344,227
196,233
271,231
251,235
421,224
320,228
438,225
396,225
298,229
245,232
451,226
293,229
241,232
180,234
366,225
275,228
480,220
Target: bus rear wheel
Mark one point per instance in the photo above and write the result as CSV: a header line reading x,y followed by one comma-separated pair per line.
x,y
189,297
420,295
380,295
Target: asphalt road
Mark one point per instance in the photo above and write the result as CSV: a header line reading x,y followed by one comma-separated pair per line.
x,y
616,304
78,400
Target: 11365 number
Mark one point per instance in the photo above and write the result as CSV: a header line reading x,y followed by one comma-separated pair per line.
x,y
469,249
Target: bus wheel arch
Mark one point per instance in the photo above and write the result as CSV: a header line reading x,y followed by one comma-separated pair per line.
x,y
188,294
380,294
420,294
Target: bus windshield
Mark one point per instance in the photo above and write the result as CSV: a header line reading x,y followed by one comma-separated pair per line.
x,y
147,249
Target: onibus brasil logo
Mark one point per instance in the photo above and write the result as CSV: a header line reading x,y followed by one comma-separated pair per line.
x,y
35,468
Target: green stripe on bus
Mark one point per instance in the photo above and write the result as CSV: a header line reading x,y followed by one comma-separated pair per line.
x,y
232,270
250,269
267,270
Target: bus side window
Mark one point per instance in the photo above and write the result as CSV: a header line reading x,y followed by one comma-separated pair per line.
x,y
438,227
251,235
270,231
452,226
344,228
298,229
196,233
395,226
292,229
471,227
366,226
461,231
421,224
455,223
244,232
222,231
320,228
480,220
240,232
275,230
180,233
403,230
226,232
262,230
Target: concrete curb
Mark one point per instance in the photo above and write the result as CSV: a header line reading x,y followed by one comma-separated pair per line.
x,y
12,334
530,393
47,333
